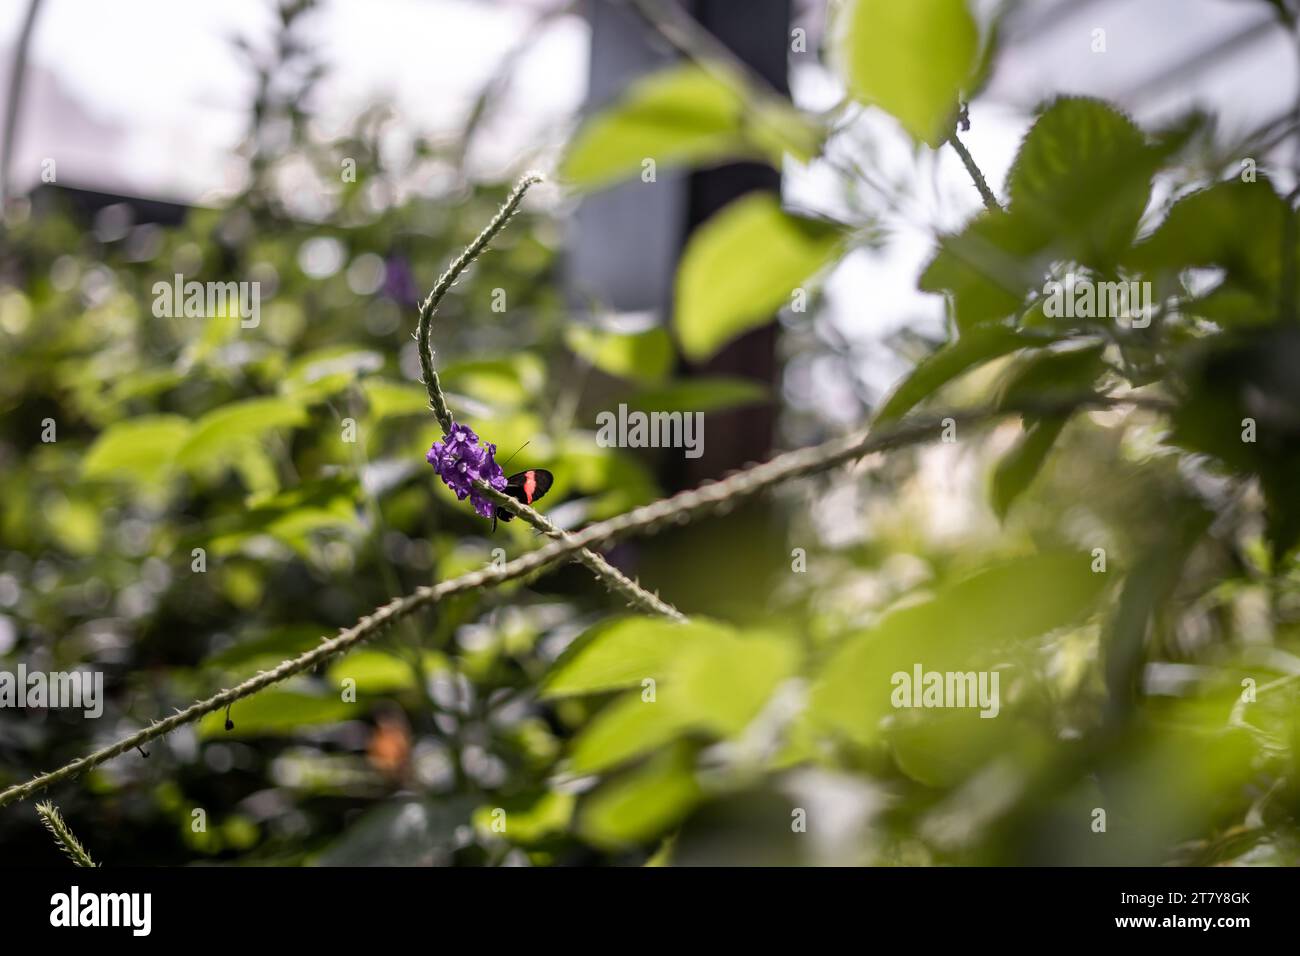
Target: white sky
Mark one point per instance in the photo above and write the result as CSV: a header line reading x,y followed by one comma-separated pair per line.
x,y
165,76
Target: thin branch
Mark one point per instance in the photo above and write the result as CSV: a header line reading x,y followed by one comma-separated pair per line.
x,y
63,835
702,48
719,496
699,46
447,280
977,177
14,101
614,579
364,630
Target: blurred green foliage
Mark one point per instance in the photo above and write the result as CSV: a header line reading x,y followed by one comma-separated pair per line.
x,y
1130,577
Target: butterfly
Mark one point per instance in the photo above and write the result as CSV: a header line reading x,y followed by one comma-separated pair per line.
x,y
527,487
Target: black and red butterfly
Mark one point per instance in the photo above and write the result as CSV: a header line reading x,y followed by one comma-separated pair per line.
x,y
527,487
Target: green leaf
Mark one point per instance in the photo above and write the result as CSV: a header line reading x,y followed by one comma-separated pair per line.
x,y
621,653
626,728
1236,226
642,804
707,394
1083,176
142,449
943,748
275,712
324,372
687,115
527,820
404,831
144,383
75,525
975,347
216,435
913,60
741,266
722,685
394,399
682,115
1047,375
290,515
640,356
714,686
1242,406
256,469
508,382
379,672
268,647
1018,468
1148,587
989,268
963,627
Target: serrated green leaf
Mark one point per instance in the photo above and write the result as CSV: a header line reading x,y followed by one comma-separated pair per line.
x,y
1083,177
722,685
1236,226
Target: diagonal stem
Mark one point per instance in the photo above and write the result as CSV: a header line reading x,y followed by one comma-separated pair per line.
x,y
613,579
445,281
977,177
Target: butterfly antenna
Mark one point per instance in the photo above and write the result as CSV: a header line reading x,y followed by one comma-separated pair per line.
x,y
515,452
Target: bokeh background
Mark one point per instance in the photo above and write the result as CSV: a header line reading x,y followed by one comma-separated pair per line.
x,y
340,153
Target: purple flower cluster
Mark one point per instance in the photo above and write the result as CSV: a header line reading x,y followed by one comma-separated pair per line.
x,y
459,460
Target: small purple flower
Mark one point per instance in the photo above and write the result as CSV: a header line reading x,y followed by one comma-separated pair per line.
x,y
459,461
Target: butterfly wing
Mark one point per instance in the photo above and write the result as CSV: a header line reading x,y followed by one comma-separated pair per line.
x,y
527,487
537,482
